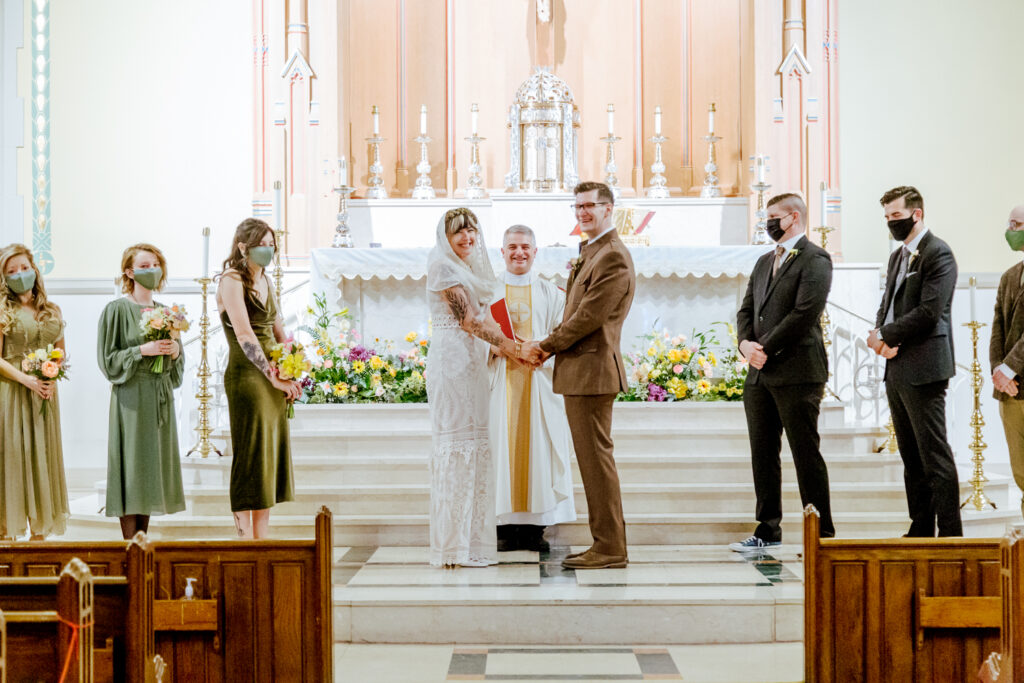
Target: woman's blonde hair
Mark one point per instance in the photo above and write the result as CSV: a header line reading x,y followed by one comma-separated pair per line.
x,y
128,259
9,301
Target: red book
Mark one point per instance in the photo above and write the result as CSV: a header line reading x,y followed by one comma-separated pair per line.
x,y
499,311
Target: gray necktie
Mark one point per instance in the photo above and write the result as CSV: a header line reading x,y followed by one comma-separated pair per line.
x,y
901,275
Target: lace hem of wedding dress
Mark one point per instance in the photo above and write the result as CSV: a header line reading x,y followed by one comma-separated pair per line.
x,y
462,516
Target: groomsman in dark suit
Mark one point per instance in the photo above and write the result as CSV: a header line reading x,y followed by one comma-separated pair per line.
x,y
1006,348
914,334
779,327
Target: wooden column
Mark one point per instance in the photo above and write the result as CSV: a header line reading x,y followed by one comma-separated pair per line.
x,y
75,610
140,645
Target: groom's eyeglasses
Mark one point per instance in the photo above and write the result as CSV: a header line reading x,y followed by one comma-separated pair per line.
x,y
589,206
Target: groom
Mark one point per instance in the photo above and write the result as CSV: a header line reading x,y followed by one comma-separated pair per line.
x,y
589,370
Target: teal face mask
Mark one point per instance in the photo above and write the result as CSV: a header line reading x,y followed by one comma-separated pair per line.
x,y
261,256
1015,238
22,282
149,277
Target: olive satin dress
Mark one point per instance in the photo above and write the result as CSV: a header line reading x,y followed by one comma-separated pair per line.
x,y
32,481
261,467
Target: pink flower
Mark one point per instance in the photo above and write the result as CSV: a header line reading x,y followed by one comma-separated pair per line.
x,y
328,364
156,323
677,368
50,369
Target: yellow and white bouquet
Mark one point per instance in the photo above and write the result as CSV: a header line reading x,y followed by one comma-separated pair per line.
x,y
47,364
288,359
163,322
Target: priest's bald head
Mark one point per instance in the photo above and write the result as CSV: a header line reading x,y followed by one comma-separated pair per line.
x,y
519,249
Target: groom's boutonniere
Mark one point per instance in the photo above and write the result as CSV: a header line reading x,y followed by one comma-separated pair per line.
x,y
573,265
913,255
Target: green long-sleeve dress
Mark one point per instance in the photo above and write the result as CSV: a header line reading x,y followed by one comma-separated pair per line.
x,y
261,463
143,459
31,462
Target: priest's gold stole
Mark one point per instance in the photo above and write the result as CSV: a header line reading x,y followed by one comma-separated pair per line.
x,y
517,397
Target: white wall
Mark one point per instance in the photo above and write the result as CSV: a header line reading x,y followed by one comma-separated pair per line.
x,y
152,130
12,121
931,96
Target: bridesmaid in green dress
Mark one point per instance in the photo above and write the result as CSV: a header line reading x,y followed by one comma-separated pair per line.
x,y
261,465
143,460
33,492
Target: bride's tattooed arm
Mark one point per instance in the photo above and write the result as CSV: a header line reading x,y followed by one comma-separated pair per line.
x,y
464,311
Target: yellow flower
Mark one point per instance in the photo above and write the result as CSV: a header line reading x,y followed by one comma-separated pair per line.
x,y
711,358
686,355
701,360
721,386
392,372
411,337
56,354
376,363
376,378
652,351
416,374
358,366
309,310
341,390
739,391
730,392
675,355
703,386
677,387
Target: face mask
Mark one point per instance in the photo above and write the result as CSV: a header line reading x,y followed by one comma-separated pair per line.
x,y
899,228
149,277
261,256
775,230
22,282
1015,238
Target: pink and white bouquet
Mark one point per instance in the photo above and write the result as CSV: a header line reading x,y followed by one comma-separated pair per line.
x,y
47,364
163,322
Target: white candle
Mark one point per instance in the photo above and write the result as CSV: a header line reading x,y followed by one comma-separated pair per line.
x,y
711,119
611,120
657,120
343,172
824,204
423,120
474,118
974,282
376,121
206,252
760,169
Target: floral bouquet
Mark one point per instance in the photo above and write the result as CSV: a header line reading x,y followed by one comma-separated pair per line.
x,y
289,362
163,322
676,368
47,364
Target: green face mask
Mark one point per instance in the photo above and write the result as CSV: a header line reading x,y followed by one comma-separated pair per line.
x,y
1015,238
261,256
149,277
21,282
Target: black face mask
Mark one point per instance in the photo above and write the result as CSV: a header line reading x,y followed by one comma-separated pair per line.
x,y
899,228
775,230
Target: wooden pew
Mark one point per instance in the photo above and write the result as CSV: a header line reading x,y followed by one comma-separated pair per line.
x,y
3,648
119,617
1008,663
263,609
883,610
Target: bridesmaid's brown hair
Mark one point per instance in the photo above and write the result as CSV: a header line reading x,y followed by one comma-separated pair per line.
x,y
9,302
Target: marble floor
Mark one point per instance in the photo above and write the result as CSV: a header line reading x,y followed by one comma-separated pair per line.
x,y
529,619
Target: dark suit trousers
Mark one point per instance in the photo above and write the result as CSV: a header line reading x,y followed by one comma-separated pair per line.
x,y
794,408
590,421
929,471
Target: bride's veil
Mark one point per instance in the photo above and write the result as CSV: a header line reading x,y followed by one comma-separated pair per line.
x,y
445,269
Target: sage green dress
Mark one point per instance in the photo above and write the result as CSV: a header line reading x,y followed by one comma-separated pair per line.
x,y
261,462
32,482
143,459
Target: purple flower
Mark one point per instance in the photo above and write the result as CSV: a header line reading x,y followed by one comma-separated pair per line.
x,y
656,393
306,382
359,352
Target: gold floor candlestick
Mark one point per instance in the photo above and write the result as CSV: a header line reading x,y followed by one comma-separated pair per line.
x,y
203,446
978,478
826,321
890,445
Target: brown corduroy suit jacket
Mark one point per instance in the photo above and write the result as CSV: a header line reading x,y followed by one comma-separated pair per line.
x,y
598,295
1007,342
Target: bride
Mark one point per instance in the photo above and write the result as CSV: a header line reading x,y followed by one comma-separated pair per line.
x,y
460,285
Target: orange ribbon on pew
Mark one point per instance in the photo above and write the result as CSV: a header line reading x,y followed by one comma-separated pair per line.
x,y
71,648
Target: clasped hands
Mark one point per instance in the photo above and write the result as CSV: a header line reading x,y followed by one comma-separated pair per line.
x,y
754,353
530,354
876,344
1004,384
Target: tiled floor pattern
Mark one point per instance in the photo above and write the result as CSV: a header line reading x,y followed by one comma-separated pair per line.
x,y
758,663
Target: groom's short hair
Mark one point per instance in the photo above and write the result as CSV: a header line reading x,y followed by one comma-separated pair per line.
x,y
604,193
519,229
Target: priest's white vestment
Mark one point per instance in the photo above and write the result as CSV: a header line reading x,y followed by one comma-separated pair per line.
x,y
535,482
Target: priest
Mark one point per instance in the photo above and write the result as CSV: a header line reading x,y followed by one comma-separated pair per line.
x,y
530,437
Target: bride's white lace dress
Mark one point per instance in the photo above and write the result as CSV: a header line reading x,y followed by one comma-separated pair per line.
x,y
462,479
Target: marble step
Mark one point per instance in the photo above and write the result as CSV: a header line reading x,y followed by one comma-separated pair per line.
x,y
636,469
647,498
413,529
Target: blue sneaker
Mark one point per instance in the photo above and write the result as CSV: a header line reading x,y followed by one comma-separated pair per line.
x,y
752,544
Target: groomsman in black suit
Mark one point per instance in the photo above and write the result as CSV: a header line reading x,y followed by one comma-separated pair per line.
x,y
779,327
913,333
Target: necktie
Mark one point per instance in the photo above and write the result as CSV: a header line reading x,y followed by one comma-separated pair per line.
x,y
779,252
901,275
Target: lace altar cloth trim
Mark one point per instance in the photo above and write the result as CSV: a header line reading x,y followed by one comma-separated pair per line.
x,y
335,265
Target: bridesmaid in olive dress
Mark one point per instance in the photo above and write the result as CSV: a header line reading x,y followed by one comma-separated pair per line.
x,y
33,492
261,465
143,460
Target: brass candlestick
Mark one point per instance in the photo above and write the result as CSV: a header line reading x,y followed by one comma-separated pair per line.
x,y
761,187
891,445
826,321
978,478
610,167
475,184
203,446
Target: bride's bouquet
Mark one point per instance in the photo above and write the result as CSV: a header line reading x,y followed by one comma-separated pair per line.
x,y
163,322
47,364
288,359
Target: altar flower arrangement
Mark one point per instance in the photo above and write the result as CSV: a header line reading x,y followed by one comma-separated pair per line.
x,y
163,322
677,368
47,364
